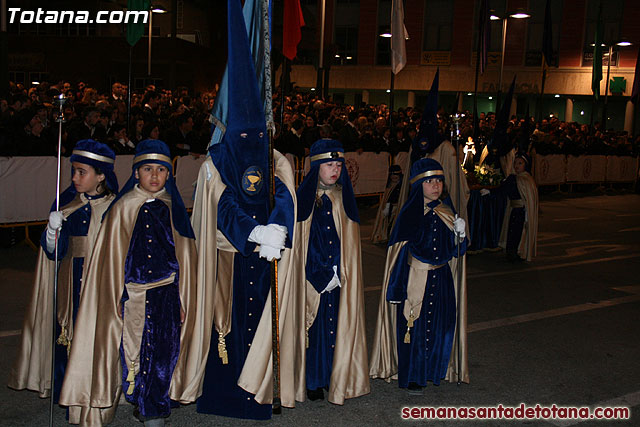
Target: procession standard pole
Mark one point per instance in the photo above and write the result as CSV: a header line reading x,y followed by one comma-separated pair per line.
x,y
275,324
275,332
455,136
60,100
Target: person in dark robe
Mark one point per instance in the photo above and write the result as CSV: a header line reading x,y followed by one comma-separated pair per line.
x,y
77,222
137,318
417,318
239,233
329,226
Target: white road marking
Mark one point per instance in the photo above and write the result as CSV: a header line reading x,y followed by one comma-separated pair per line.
x,y
629,229
566,242
548,235
552,266
536,268
508,321
628,400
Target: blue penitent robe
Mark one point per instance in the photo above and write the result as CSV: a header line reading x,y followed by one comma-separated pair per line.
x,y
76,225
516,219
426,357
151,258
221,394
323,254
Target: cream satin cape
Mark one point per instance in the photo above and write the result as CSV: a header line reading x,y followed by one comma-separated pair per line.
x,y
94,374
445,154
528,190
349,372
215,272
384,356
32,368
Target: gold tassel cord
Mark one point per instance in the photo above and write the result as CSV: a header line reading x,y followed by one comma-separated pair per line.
x,y
131,378
407,336
222,349
306,337
63,339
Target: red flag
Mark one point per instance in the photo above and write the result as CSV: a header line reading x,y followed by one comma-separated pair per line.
x,y
293,21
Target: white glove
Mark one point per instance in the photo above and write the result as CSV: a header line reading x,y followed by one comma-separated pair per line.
x,y
55,223
279,227
458,226
269,252
271,235
484,192
334,282
387,208
55,220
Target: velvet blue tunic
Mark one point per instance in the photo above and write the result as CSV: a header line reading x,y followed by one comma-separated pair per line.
x,y
152,257
221,394
323,254
77,224
426,357
516,219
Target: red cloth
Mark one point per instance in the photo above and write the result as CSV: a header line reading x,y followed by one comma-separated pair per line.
x,y
293,21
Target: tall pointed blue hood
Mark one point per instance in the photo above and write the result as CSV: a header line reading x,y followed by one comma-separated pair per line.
x,y
241,157
428,139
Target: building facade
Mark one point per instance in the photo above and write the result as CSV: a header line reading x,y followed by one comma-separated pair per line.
x,y
443,33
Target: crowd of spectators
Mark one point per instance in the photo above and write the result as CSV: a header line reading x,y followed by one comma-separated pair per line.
x,y
29,127
28,124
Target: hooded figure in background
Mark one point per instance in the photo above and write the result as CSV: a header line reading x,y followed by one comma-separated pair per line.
x,y
330,272
139,328
388,209
82,206
238,234
420,302
519,235
428,143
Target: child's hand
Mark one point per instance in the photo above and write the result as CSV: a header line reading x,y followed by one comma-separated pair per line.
x,y
182,315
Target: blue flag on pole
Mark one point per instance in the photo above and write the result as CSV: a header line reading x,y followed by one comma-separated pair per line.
x,y
257,21
547,37
427,138
635,90
500,143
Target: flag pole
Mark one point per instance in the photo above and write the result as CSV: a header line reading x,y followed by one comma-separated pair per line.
x,y
320,78
129,91
606,90
541,98
275,332
275,323
475,95
547,55
479,58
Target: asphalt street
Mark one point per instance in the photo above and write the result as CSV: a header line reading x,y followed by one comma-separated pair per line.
x,y
560,330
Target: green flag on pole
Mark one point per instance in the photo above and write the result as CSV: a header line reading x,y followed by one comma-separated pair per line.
x,y
596,74
135,27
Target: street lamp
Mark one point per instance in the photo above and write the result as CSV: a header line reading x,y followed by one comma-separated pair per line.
x,y
518,14
152,9
622,43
